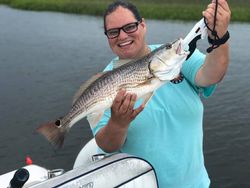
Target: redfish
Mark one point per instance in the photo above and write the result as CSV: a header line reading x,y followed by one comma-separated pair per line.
x,y
142,77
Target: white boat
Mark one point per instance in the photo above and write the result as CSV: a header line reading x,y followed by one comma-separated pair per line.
x,y
91,170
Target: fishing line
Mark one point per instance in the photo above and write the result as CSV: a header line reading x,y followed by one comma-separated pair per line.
x,y
213,31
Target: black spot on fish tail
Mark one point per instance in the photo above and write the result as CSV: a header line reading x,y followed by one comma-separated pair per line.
x,y
53,133
58,123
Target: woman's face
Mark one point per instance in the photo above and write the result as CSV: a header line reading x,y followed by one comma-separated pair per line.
x,y
126,45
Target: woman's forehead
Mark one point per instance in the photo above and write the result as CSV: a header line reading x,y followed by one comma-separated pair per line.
x,y
119,17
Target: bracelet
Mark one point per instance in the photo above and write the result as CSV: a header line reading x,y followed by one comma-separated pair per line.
x,y
219,41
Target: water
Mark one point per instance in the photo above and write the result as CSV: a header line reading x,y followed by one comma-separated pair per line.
x,y
44,57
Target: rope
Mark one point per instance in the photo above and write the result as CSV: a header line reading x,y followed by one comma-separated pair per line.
x,y
213,31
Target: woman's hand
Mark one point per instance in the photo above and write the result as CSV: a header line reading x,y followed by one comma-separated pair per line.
x,y
222,18
122,110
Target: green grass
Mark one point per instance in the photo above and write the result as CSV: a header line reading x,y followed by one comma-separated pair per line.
x,y
157,9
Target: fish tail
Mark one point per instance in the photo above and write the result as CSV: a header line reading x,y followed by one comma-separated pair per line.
x,y
53,132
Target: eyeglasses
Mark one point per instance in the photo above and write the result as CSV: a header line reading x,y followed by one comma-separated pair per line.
x,y
128,28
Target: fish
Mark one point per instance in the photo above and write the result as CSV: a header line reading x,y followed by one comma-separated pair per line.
x,y
141,77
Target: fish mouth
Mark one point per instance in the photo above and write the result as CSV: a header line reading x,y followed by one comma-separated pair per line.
x,y
180,49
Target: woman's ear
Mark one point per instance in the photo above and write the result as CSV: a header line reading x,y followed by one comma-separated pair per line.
x,y
143,24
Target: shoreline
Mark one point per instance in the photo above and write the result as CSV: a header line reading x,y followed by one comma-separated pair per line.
x,y
177,10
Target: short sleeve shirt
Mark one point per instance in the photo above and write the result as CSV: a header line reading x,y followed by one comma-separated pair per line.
x,y
168,133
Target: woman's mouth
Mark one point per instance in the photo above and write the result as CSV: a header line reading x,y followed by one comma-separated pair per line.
x,y
124,44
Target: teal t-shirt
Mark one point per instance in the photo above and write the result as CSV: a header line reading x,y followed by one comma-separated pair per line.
x,y
168,132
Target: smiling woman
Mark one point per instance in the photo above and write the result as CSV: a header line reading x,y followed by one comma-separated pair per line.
x,y
126,47
168,132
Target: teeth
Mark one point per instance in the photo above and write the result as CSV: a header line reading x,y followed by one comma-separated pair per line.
x,y
125,43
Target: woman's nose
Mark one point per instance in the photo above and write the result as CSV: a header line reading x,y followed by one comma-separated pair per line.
x,y
122,34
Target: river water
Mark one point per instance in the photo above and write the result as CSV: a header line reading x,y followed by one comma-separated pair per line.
x,y
45,56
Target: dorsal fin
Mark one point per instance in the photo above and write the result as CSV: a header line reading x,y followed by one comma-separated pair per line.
x,y
121,62
85,85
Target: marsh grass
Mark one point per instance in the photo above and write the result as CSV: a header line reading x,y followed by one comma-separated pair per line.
x,y
157,9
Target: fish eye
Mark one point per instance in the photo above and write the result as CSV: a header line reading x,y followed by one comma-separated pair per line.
x,y
168,46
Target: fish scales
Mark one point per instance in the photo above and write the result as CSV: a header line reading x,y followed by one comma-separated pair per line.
x,y
127,76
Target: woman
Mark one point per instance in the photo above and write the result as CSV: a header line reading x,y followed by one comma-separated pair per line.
x,y
168,132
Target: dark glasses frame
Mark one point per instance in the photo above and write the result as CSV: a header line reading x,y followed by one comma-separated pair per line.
x,y
125,28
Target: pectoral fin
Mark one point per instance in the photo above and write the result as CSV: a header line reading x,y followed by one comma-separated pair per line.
x,y
147,97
